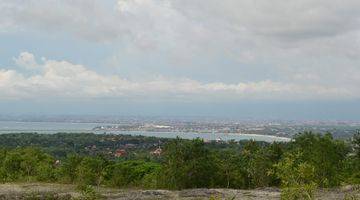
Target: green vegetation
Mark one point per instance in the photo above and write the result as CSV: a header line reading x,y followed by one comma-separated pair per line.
x,y
298,167
84,144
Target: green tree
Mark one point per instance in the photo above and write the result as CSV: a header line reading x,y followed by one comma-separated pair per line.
x,y
258,168
12,166
258,163
298,178
188,164
91,171
324,153
132,173
3,173
45,169
69,167
231,172
356,143
36,164
352,163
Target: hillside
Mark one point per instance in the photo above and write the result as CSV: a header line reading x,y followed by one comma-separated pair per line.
x,y
299,169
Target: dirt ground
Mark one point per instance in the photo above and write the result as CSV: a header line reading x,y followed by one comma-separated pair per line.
x,y
62,191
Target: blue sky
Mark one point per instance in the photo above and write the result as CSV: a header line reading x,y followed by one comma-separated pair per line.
x,y
255,59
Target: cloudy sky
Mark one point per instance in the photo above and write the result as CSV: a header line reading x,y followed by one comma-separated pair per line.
x,y
245,58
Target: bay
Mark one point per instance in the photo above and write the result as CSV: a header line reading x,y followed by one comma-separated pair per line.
x,y
69,127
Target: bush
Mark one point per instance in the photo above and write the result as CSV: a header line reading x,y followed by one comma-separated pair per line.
x,y
88,193
133,174
298,179
91,171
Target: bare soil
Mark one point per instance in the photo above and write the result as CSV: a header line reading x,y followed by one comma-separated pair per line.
x,y
25,191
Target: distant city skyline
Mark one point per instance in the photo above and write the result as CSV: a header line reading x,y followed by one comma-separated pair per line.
x,y
235,58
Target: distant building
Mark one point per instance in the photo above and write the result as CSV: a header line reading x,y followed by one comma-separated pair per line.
x,y
218,140
120,153
157,152
57,163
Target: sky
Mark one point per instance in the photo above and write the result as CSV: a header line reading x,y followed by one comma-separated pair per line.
x,y
297,59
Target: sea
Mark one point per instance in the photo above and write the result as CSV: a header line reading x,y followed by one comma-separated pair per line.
x,y
69,127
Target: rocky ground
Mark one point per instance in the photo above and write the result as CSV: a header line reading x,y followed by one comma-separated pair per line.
x,y
65,192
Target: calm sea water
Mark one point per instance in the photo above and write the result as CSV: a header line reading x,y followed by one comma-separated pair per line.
x,y
55,127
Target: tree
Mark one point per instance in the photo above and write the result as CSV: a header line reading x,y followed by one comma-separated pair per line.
x,y
36,164
69,167
91,171
12,166
30,160
231,173
352,163
298,178
188,164
356,143
324,153
3,173
132,173
258,167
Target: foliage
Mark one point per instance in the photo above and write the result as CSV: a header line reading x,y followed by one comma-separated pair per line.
x,y
84,144
91,170
188,164
231,172
298,179
325,154
298,167
88,193
27,164
351,170
69,166
356,144
133,173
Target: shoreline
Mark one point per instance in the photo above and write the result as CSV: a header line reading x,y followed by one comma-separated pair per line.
x,y
259,136
188,135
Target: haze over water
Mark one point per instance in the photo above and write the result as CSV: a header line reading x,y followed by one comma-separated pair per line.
x,y
67,127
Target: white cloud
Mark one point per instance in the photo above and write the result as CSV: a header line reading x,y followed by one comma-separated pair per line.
x,y
26,60
88,19
62,79
310,48
186,20
247,29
